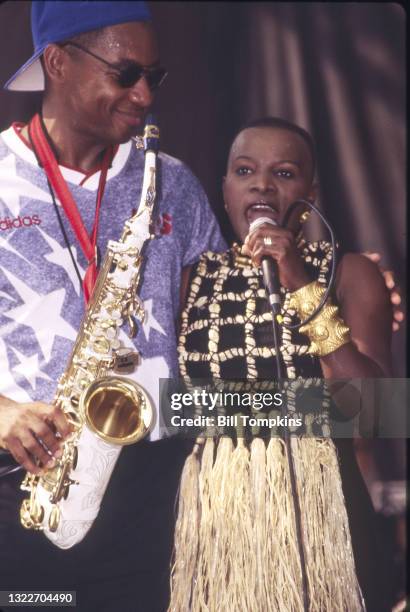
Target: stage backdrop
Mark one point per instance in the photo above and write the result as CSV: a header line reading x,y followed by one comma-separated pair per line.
x,y
337,69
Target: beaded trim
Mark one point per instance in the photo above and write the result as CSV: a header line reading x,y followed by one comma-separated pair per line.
x,y
218,268
317,254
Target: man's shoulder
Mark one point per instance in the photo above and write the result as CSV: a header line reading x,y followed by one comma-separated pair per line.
x,y
12,146
171,166
179,179
176,166
4,147
170,160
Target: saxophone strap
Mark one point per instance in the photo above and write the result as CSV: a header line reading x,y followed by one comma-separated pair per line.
x,y
46,157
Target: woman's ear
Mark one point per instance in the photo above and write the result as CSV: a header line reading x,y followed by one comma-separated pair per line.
x,y
223,193
313,192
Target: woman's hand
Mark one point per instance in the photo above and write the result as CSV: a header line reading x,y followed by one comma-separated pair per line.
x,y
278,243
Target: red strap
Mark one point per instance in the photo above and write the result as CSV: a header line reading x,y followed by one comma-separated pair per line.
x,y
51,168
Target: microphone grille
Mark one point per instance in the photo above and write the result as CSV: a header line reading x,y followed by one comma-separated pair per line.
x,y
261,221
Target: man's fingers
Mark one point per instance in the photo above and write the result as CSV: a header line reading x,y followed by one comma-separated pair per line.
x,y
388,279
398,316
45,436
22,456
375,257
395,298
56,417
36,447
61,423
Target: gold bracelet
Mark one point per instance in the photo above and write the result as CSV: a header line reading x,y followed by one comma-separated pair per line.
x,y
327,331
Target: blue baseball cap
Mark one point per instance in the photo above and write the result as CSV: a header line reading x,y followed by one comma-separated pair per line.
x,y
54,21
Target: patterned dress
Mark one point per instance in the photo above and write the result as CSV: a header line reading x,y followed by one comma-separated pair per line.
x,y
236,541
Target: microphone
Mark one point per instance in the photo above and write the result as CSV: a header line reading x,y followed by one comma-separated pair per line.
x,y
269,269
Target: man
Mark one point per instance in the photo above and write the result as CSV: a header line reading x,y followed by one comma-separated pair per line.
x,y
98,64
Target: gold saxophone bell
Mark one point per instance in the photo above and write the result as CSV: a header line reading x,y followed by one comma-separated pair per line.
x,y
118,410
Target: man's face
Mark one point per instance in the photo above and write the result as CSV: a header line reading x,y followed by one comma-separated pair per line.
x,y
268,169
95,104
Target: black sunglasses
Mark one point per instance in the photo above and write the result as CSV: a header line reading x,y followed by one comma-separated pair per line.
x,y
131,74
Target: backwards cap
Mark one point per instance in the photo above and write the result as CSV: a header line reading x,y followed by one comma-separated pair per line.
x,y
54,21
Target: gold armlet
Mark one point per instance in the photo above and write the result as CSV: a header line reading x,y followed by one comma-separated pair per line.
x,y
327,331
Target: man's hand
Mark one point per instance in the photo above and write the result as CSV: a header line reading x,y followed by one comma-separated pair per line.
x,y
33,433
278,243
395,297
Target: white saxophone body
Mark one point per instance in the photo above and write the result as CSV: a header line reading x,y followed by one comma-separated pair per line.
x,y
108,410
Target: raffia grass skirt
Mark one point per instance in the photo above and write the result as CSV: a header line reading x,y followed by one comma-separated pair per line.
x,y
235,539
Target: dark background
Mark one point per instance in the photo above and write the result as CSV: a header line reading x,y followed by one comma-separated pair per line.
x,y
337,69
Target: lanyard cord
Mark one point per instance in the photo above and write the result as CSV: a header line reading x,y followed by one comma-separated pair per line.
x,y
47,159
60,221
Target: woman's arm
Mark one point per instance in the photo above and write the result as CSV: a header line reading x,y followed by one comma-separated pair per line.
x,y
364,306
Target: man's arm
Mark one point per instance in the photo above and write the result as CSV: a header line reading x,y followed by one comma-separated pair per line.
x,y
32,432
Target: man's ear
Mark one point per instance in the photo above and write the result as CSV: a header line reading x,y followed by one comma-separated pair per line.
x,y
55,63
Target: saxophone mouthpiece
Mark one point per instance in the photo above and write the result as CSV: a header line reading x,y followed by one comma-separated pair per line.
x,y
151,134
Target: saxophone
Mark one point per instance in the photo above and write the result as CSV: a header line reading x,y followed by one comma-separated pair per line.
x,y
106,409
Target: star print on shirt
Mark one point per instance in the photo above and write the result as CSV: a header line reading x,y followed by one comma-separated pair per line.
x,y
14,186
150,321
9,386
7,246
33,310
61,257
29,368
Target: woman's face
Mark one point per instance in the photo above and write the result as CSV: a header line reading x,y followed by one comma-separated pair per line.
x,y
268,169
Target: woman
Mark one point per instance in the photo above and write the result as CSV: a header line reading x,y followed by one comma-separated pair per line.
x,y
236,544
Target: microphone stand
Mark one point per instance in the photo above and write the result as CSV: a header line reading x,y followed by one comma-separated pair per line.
x,y
271,281
275,308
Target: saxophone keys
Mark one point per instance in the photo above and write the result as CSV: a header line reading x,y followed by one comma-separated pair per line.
x,y
137,260
31,514
74,419
111,333
75,401
54,519
36,513
132,326
74,459
122,265
125,361
28,482
138,308
25,518
115,344
107,324
101,345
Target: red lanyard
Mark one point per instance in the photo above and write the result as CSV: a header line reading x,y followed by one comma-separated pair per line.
x,y
49,163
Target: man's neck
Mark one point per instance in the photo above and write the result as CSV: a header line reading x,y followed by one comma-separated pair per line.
x,y
71,149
